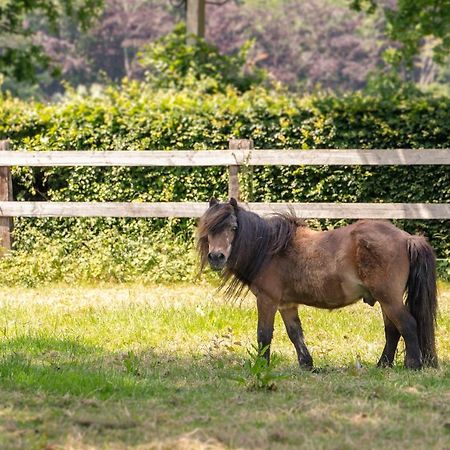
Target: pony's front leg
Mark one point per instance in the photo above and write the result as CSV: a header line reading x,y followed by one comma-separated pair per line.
x,y
266,317
295,333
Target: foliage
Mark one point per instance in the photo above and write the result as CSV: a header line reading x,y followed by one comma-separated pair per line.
x,y
409,22
106,256
172,63
305,45
443,268
137,117
390,84
259,374
21,58
111,46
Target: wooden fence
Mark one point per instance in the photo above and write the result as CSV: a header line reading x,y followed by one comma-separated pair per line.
x,y
240,153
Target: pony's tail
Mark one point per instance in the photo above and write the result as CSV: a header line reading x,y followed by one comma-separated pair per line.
x,y
421,296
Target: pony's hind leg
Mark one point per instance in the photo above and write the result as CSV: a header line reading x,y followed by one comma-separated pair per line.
x,y
392,337
405,323
295,333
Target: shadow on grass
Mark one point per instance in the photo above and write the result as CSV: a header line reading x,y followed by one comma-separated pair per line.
x,y
63,366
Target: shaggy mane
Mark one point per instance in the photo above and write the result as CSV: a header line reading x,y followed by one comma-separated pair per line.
x,y
256,242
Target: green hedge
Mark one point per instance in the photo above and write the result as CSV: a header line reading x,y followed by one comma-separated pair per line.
x,y
135,117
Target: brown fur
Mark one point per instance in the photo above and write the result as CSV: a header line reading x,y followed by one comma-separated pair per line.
x,y
285,263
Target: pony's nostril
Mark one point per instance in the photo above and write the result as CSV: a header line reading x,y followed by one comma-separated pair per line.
x,y
216,257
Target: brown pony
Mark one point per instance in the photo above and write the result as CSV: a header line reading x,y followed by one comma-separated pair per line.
x,y
285,263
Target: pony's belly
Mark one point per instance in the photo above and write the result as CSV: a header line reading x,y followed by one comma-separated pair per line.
x,y
320,303
342,294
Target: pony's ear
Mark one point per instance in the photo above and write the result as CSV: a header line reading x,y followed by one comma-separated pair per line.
x,y
233,202
213,201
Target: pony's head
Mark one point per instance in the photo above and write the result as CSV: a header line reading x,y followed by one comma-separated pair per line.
x,y
240,243
216,232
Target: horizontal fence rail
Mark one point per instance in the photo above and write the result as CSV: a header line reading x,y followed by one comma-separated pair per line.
x,y
240,153
238,157
191,209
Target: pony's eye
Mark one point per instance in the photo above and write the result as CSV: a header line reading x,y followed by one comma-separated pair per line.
x,y
234,228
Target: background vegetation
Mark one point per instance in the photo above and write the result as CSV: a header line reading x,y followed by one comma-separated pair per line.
x,y
179,96
304,44
136,116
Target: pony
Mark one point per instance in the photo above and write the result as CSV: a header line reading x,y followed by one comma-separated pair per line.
x,y
284,263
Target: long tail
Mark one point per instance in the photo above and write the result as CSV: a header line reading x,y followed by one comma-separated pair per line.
x,y
422,296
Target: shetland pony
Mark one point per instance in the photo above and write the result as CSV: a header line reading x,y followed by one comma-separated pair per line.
x,y
284,264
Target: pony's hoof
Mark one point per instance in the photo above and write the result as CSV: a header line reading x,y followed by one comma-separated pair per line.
x,y
413,364
306,365
384,363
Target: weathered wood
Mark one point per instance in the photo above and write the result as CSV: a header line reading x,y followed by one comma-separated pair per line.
x,y
233,183
102,209
335,157
357,210
236,145
195,20
158,158
6,223
188,209
239,154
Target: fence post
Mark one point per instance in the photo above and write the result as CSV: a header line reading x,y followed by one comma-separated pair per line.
x,y
6,194
233,171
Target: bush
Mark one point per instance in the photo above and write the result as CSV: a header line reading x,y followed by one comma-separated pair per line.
x,y
137,117
107,256
171,63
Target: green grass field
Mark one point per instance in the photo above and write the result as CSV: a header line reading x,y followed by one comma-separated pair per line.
x,y
155,367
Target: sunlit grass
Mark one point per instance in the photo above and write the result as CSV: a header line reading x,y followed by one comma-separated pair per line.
x,y
119,366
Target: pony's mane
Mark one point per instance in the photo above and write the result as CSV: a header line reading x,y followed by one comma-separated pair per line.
x,y
256,242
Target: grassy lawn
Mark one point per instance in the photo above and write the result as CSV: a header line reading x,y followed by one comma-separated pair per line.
x,y
156,367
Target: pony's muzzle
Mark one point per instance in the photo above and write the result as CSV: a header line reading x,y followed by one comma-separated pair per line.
x,y
216,260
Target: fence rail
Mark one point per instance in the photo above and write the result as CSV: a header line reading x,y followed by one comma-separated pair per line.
x,y
238,157
240,153
194,209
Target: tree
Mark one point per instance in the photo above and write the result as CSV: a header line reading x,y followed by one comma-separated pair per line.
x,y
302,44
410,22
124,27
21,56
108,49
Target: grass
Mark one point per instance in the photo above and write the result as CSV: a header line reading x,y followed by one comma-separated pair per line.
x,y
119,366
